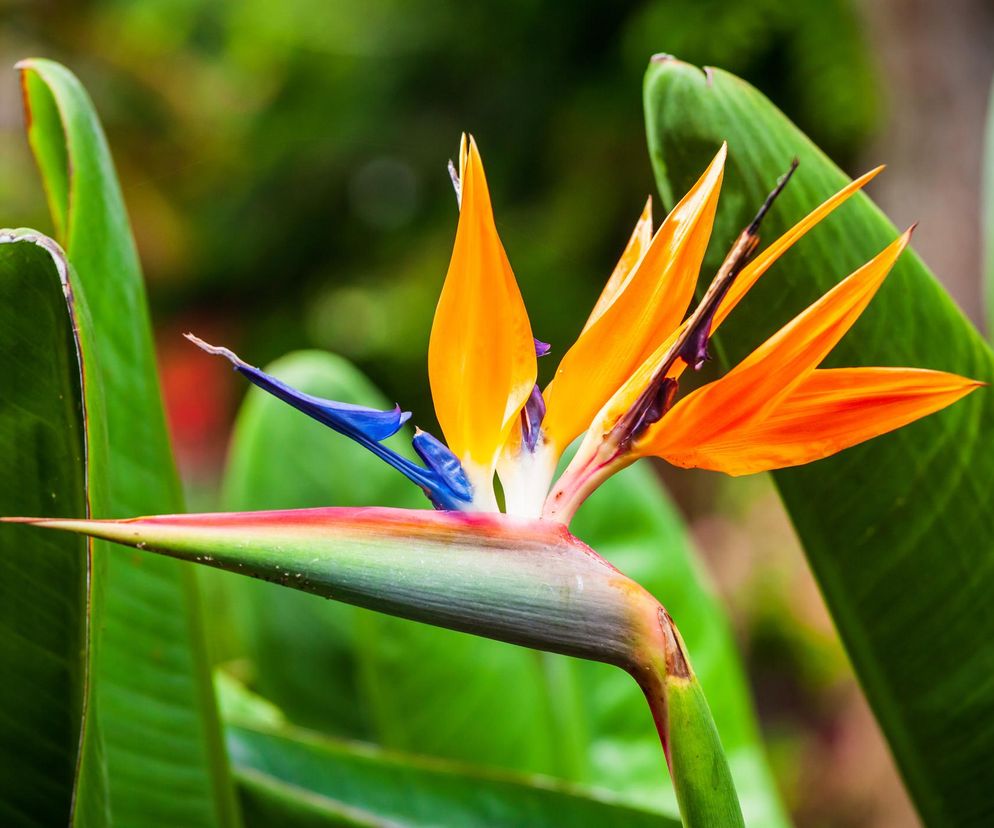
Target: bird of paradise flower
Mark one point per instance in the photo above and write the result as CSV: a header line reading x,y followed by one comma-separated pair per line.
x,y
520,576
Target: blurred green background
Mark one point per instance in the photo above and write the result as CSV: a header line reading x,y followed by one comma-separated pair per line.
x,y
284,165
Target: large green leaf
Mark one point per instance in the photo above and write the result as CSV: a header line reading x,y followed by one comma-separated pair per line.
x,y
43,581
286,769
157,745
293,777
444,694
899,531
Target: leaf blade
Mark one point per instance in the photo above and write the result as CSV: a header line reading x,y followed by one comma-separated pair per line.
x,y
43,582
987,216
408,790
132,471
898,531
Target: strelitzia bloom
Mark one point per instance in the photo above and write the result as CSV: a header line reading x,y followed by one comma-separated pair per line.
x,y
618,385
521,577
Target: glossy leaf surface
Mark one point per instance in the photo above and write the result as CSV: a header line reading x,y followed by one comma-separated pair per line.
x,y
289,776
899,531
158,744
43,580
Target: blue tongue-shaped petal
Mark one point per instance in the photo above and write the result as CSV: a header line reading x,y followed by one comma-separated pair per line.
x,y
439,458
444,483
350,420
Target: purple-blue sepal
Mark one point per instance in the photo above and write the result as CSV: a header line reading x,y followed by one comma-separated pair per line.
x,y
351,420
531,418
444,481
439,458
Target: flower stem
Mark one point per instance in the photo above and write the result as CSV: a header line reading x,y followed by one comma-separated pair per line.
x,y
701,777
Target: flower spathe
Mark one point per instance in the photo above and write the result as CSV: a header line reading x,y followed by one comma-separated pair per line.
x,y
618,385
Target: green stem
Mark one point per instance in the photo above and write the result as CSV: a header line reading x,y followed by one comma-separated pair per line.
x,y
701,777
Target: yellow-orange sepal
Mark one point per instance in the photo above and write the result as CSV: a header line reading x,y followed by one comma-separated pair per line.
x,y
623,271
629,392
481,356
637,312
775,409
764,259
828,411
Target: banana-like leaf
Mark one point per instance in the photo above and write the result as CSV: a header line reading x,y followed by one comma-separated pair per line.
x,y
43,581
364,675
292,776
289,776
151,735
898,531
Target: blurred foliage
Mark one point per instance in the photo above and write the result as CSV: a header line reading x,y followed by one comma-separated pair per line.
x,y
285,162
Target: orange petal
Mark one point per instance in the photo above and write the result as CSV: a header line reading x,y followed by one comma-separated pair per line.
x,y
764,260
629,392
757,384
828,411
758,266
481,356
786,358
625,268
654,300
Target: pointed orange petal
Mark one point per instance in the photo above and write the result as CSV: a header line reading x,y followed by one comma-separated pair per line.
x,y
749,276
623,271
828,411
481,356
757,384
758,266
654,300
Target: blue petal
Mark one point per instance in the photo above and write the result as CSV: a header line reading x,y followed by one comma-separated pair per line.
x,y
350,420
541,348
531,418
440,459
444,484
